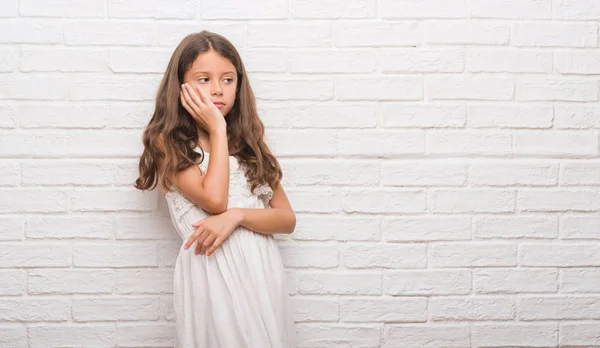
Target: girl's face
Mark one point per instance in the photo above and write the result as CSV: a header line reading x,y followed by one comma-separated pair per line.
x,y
216,76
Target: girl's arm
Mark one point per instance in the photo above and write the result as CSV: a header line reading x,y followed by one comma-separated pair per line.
x,y
280,218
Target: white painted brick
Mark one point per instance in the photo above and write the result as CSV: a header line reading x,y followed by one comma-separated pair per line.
x,y
34,200
554,89
172,32
167,309
377,33
554,34
114,200
135,335
307,309
586,63
144,281
558,307
510,61
426,336
125,33
33,309
264,60
72,143
9,8
9,58
310,256
514,335
423,9
62,115
381,143
513,173
8,116
11,228
13,283
113,88
52,172
331,173
178,9
289,35
385,309
30,87
256,9
385,201
511,9
505,227
453,87
144,227
77,335
129,114
560,255
422,115
167,252
333,61
580,173
423,173
338,335
116,254
555,143
340,283
333,9
466,33
474,254
381,88
62,8
578,334
546,200
418,229
69,226
576,116
285,143
311,201
580,280
63,60
515,281
10,174
138,60
13,336
579,227
576,9
293,89
70,281
331,227
509,116
385,256
424,60
35,255
477,308
115,308
321,115
30,32
472,201
427,282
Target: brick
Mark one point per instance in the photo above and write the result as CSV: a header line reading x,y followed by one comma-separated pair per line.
x,y
580,280
116,255
576,9
331,173
514,335
30,32
264,60
424,60
377,34
385,201
582,63
423,9
161,335
289,35
426,336
30,87
59,173
13,283
293,89
144,281
308,309
381,143
381,88
73,335
513,173
103,33
560,254
555,143
508,116
472,201
579,227
144,227
421,229
340,228
14,336
321,115
466,33
9,8
511,9
508,227
138,60
423,173
385,256
509,61
477,308
427,282
333,61
9,58
71,281
120,308
310,256
62,8
337,283
35,309
580,173
555,89
11,228
256,9
113,88
422,115
59,227
58,59
558,200
558,308
338,335
8,116
515,281
285,143
575,116
578,334
333,9
473,254
170,33
10,174
469,87
115,200
62,116
554,34
156,9
396,310
34,200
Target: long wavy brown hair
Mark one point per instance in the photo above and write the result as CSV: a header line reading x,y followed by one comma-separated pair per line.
x,y
172,134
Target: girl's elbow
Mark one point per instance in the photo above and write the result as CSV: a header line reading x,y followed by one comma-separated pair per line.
x,y
217,206
292,226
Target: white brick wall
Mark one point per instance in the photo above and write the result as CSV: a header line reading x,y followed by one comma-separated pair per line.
x,y
442,157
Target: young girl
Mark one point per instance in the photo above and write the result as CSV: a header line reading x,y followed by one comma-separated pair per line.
x,y
204,148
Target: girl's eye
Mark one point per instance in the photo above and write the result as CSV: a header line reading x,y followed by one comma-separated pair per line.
x,y
229,80
203,79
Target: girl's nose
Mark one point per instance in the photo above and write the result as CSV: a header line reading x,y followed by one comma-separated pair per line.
x,y
216,88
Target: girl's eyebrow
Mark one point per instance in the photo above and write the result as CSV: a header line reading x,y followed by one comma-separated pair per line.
x,y
208,73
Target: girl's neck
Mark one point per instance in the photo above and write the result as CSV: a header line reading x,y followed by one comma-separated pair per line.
x,y
204,140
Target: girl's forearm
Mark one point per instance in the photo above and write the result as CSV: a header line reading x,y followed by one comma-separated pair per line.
x,y
265,221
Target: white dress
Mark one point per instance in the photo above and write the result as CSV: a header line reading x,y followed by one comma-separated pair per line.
x,y
237,297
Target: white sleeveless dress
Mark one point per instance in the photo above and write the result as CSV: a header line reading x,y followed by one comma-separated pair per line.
x,y
237,297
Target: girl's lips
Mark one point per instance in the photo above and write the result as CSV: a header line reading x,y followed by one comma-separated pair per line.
x,y
219,105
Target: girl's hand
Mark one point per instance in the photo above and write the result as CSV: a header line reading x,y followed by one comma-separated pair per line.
x,y
202,109
211,232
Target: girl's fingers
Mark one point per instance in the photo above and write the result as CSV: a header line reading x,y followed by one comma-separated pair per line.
x,y
190,101
191,240
203,97
196,99
198,223
208,242
214,247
